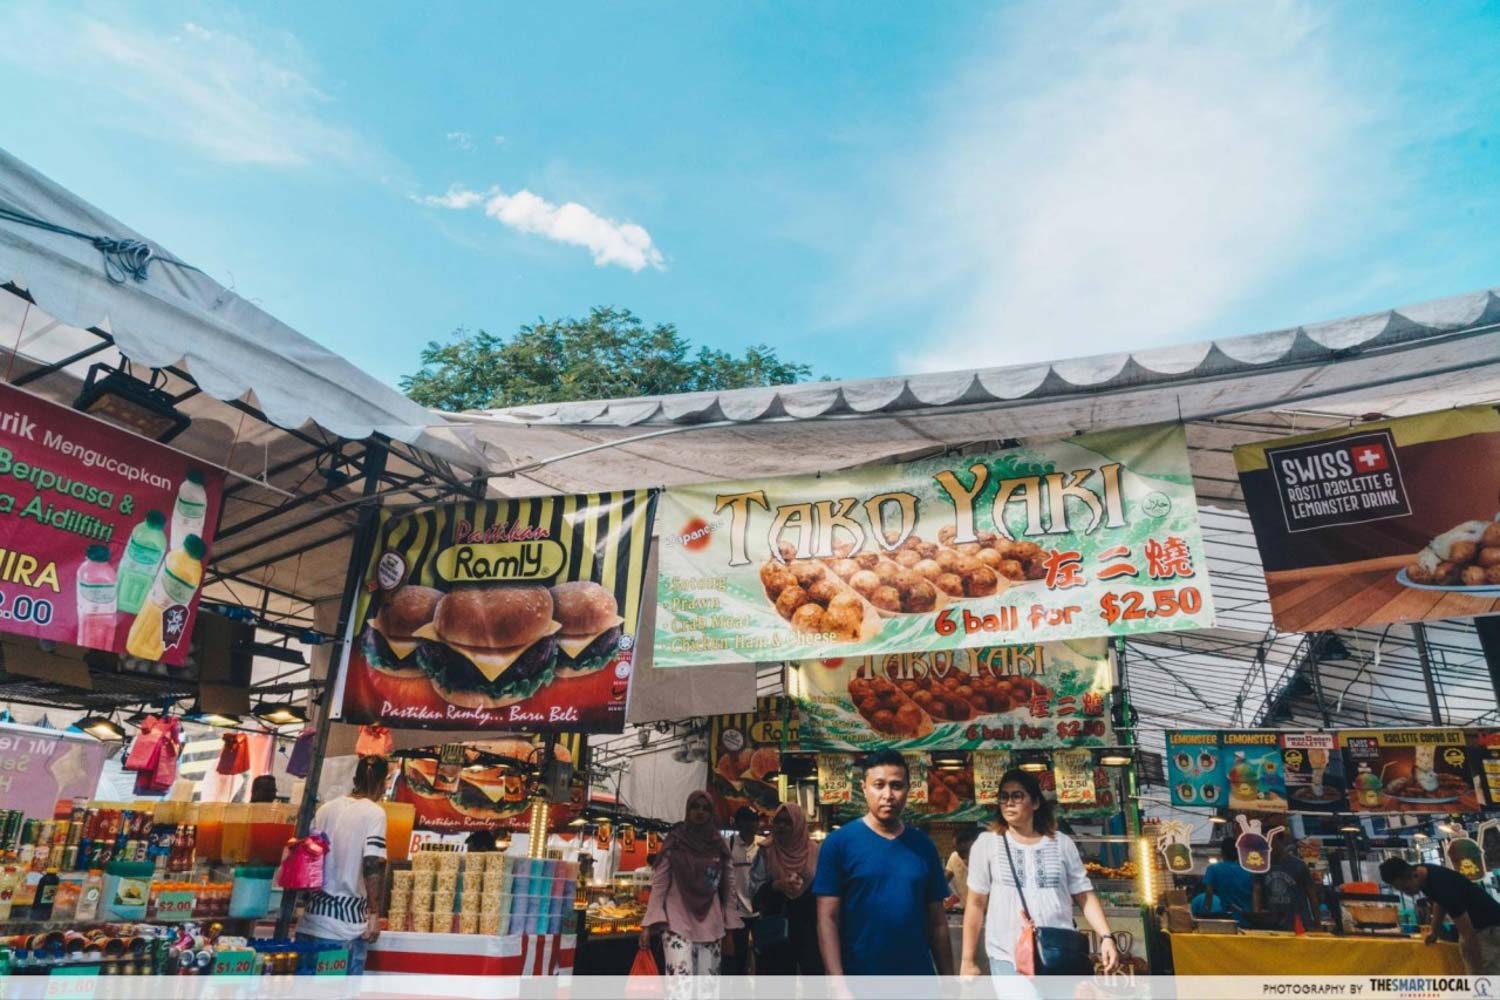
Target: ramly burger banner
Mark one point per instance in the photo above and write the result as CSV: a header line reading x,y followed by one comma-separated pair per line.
x,y
506,615
1093,536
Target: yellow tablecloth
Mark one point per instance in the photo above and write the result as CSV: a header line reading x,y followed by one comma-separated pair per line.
x,y
1273,954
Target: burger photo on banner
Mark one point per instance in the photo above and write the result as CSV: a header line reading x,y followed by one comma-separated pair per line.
x,y
486,795
510,615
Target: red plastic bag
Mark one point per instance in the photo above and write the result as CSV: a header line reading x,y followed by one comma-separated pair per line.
x,y
235,757
302,867
644,964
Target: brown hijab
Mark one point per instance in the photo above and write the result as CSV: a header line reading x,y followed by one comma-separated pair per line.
x,y
698,859
791,853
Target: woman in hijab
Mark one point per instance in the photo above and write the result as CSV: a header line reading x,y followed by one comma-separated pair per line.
x,y
691,902
786,932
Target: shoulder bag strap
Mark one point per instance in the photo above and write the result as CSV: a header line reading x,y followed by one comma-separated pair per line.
x,y
1005,839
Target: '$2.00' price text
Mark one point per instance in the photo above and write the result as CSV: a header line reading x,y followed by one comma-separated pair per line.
x,y
1136,605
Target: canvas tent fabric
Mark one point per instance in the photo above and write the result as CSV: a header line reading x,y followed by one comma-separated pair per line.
x,y
181,316
1427,356
1239,674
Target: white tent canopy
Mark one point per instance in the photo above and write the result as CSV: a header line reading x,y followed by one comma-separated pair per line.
x,y
1227,392
179,316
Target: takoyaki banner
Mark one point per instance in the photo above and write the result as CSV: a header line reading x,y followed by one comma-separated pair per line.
x,y
1042,696
1378,523
507,615
1093,536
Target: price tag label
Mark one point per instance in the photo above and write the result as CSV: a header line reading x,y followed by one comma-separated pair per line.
x,y
176,906
333,962
234,962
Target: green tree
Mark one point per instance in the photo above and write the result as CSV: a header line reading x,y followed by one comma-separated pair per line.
x,y
609,355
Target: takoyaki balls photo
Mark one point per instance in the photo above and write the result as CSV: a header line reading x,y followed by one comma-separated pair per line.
x,y
922,597
980,582
865,581
845,568
930,568
951,584
887,571
823,590
776,578
790,599
907,557
809,618
886,598
806,572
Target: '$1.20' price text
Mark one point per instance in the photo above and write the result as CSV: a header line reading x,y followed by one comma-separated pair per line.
x,y
1136,605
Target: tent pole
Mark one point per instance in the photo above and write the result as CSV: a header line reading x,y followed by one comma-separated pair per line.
x,y
1424,656
1488,628
364,543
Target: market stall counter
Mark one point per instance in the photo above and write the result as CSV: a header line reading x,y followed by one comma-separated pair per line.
x,y
1283,953
472,954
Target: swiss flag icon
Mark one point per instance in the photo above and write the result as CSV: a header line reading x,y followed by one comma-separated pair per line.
x,y
1370,457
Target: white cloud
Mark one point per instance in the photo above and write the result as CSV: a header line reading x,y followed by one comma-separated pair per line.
x,y
622,243
499,140
461,140
1106,181
212,90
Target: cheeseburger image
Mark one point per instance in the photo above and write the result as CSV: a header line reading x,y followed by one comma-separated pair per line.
x,y
590,632
492,645
421,777
390,638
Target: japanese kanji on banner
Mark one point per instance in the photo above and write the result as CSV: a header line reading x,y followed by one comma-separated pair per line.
x,y
1093,536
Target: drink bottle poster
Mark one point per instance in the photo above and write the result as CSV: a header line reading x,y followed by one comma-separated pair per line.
x,y
509,615
1093,536
1386,521
94,526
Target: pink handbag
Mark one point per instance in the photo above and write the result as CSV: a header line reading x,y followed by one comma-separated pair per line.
x,y
302,868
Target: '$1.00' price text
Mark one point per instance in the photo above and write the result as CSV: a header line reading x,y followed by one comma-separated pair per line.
x,y
1136,605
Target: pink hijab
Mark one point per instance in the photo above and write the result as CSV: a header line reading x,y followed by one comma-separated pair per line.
x,y
698,859
792,853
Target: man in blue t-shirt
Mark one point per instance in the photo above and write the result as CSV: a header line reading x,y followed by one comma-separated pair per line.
x,y
1226,883
880,887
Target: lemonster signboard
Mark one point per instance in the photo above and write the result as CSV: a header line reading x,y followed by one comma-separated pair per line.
x,y
103,535
1093,536
507,615
1387,521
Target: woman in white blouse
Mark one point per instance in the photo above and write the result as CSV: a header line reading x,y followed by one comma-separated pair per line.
x,y
1051,874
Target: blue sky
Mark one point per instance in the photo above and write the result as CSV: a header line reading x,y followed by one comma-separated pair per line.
x,y
870,188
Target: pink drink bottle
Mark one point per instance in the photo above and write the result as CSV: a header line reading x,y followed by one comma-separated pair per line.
x,y
96,600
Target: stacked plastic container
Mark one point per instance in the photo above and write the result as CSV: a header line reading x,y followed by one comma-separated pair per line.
x,y
484,894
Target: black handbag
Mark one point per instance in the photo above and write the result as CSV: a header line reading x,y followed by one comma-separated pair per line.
x,y
769,933
1060,951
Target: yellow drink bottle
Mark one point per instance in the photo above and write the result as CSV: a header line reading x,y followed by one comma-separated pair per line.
x,y
176,583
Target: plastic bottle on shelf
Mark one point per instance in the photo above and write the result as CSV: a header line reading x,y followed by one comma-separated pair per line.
x,y
10,877
176,584
46,895
191,509
88,899
143,555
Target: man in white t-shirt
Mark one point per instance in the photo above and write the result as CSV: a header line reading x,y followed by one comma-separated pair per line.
x,y
347,909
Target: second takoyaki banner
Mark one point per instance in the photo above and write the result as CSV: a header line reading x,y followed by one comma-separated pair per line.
x,y
509,615
1386,521
1017,697
1093,536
